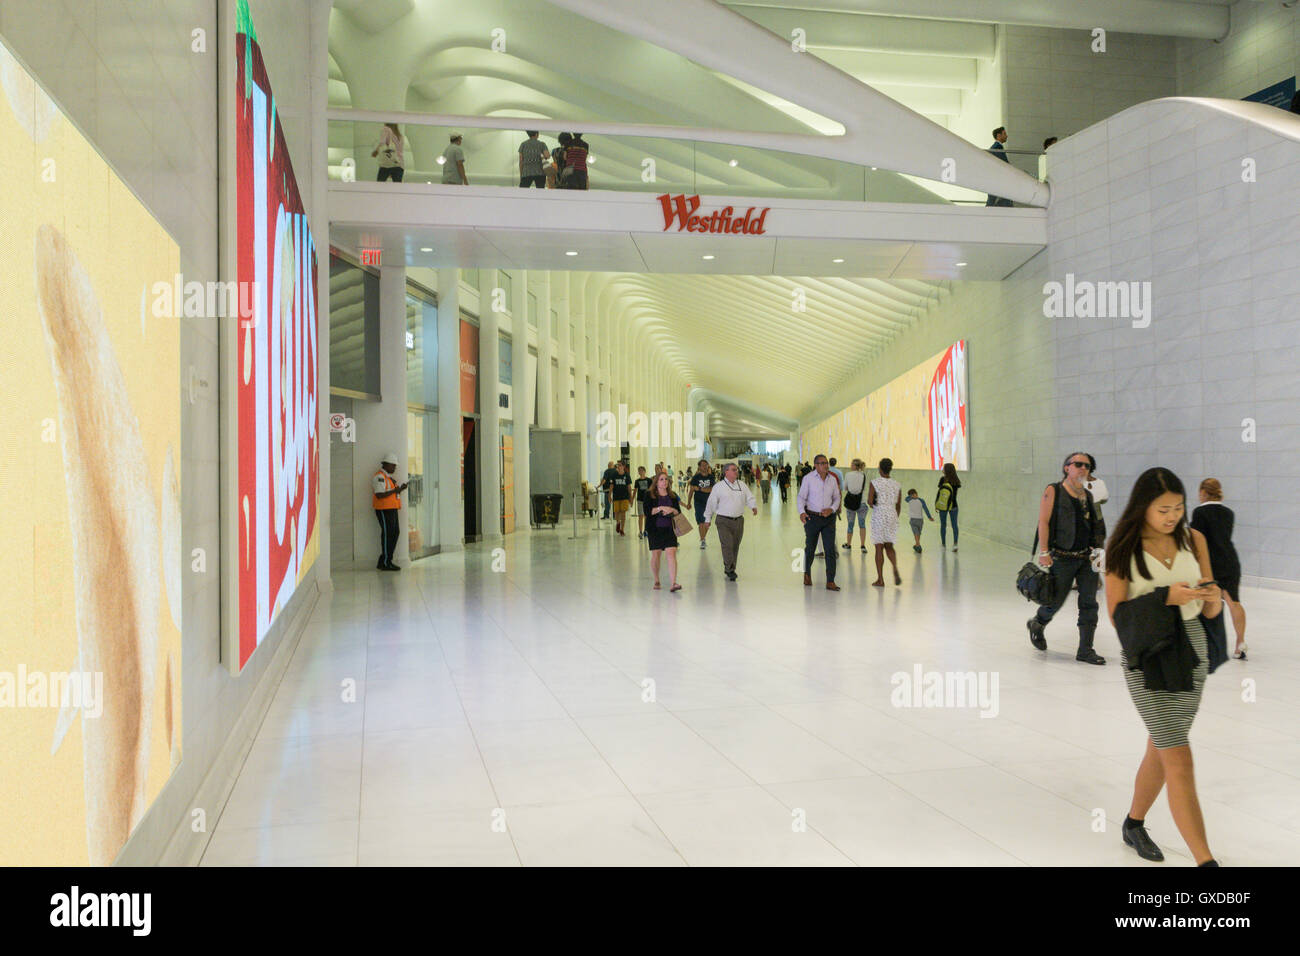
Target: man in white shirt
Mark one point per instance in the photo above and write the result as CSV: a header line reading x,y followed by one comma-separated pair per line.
x,y
818,502
727,502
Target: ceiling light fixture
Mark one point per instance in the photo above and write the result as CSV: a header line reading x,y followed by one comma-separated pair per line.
x,y
441,160
706,257
733,162
960,265
837,260
570,253
426,248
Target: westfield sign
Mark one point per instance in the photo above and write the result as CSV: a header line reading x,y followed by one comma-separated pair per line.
x,y
684,208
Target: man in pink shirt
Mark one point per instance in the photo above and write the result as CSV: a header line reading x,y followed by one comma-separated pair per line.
x,y
818,502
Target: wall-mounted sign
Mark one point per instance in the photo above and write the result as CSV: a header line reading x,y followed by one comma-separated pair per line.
x,y
370,257
684,210
410,340
337,421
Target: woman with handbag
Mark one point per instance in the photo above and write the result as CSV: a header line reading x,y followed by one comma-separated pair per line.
x,y
1153,549
945,502
664,511
855,505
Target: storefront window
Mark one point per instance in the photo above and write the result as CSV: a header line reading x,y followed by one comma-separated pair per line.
x,y
354,328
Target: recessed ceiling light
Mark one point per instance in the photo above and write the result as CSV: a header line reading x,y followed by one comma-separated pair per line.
x,y
570,253
706,257
441,160
873,167
426,248
960,264
837,260
590,158
733,162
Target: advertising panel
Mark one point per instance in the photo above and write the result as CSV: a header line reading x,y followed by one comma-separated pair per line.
x,y
276,360
920,419
90,547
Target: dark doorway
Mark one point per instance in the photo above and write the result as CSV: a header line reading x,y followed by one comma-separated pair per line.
x,y
469,477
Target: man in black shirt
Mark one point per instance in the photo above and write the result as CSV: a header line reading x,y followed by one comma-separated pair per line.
x,y
605,480
620,489
641,486
697,493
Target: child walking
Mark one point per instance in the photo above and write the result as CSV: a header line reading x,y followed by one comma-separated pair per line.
x,y
915,507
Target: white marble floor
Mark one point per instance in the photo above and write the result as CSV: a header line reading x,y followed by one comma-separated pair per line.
x,y
559,711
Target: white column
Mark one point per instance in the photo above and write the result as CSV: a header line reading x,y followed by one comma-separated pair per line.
x,y
489,381
580,403
564,404
451,503
545,388
521,399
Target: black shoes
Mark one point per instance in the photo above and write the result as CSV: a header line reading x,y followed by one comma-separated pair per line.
x,y
1036,636
1138,838
1089,656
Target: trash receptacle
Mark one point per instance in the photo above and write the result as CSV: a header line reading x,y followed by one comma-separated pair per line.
x,y
546,509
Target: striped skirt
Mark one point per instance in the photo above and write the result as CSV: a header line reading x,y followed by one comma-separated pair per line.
x,y
1169,714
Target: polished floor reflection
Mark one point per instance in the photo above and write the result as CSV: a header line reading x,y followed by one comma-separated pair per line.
x,y
541,705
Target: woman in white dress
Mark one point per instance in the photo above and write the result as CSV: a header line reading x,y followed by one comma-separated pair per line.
x,y
885,498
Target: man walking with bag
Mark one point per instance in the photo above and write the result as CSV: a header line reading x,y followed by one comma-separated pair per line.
x,y
1070,527
727,502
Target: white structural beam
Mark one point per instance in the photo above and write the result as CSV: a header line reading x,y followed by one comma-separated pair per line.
x,y
723,40
1171,18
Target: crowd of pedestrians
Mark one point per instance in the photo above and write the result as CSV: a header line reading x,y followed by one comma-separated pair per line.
x,y
540,166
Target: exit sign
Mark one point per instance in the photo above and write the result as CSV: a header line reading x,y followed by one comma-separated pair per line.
x,y
370,257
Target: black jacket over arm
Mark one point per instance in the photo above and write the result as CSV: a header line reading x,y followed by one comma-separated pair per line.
x,y
1154,641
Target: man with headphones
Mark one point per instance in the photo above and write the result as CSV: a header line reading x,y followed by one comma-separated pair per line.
x,y
1070,529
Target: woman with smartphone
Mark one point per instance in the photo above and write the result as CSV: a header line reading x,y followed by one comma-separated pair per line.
x,y
1153,547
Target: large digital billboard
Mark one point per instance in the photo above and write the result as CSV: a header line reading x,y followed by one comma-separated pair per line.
x,y
90,546
278,479
920,419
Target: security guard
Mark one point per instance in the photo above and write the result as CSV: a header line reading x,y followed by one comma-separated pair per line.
x,y
387,499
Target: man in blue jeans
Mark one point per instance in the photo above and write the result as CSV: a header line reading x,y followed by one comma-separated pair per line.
x,y
1070,526
607,486
818,502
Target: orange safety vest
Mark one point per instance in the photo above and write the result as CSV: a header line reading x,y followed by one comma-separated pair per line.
x,y
391,501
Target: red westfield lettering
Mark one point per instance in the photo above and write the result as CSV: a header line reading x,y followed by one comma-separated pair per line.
x,y
683,209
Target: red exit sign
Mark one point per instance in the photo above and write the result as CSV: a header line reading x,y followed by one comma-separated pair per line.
x,y
370,257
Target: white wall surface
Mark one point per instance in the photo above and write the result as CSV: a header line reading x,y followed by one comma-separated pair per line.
x,y
1056,86
1157,194
1263,49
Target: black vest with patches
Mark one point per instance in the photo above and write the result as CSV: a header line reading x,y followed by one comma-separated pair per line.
x,y
1061,528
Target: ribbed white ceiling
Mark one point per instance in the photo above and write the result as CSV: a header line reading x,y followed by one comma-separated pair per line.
x,y
736,336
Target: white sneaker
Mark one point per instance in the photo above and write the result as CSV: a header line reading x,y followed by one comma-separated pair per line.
x,y
701,545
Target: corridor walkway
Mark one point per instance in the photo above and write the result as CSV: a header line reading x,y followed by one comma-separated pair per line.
x,y
559,711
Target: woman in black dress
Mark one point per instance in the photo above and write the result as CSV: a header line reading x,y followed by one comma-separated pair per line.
x,y
1214,520
660,504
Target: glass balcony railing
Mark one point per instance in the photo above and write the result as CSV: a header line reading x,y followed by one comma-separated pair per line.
x,y
641,164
